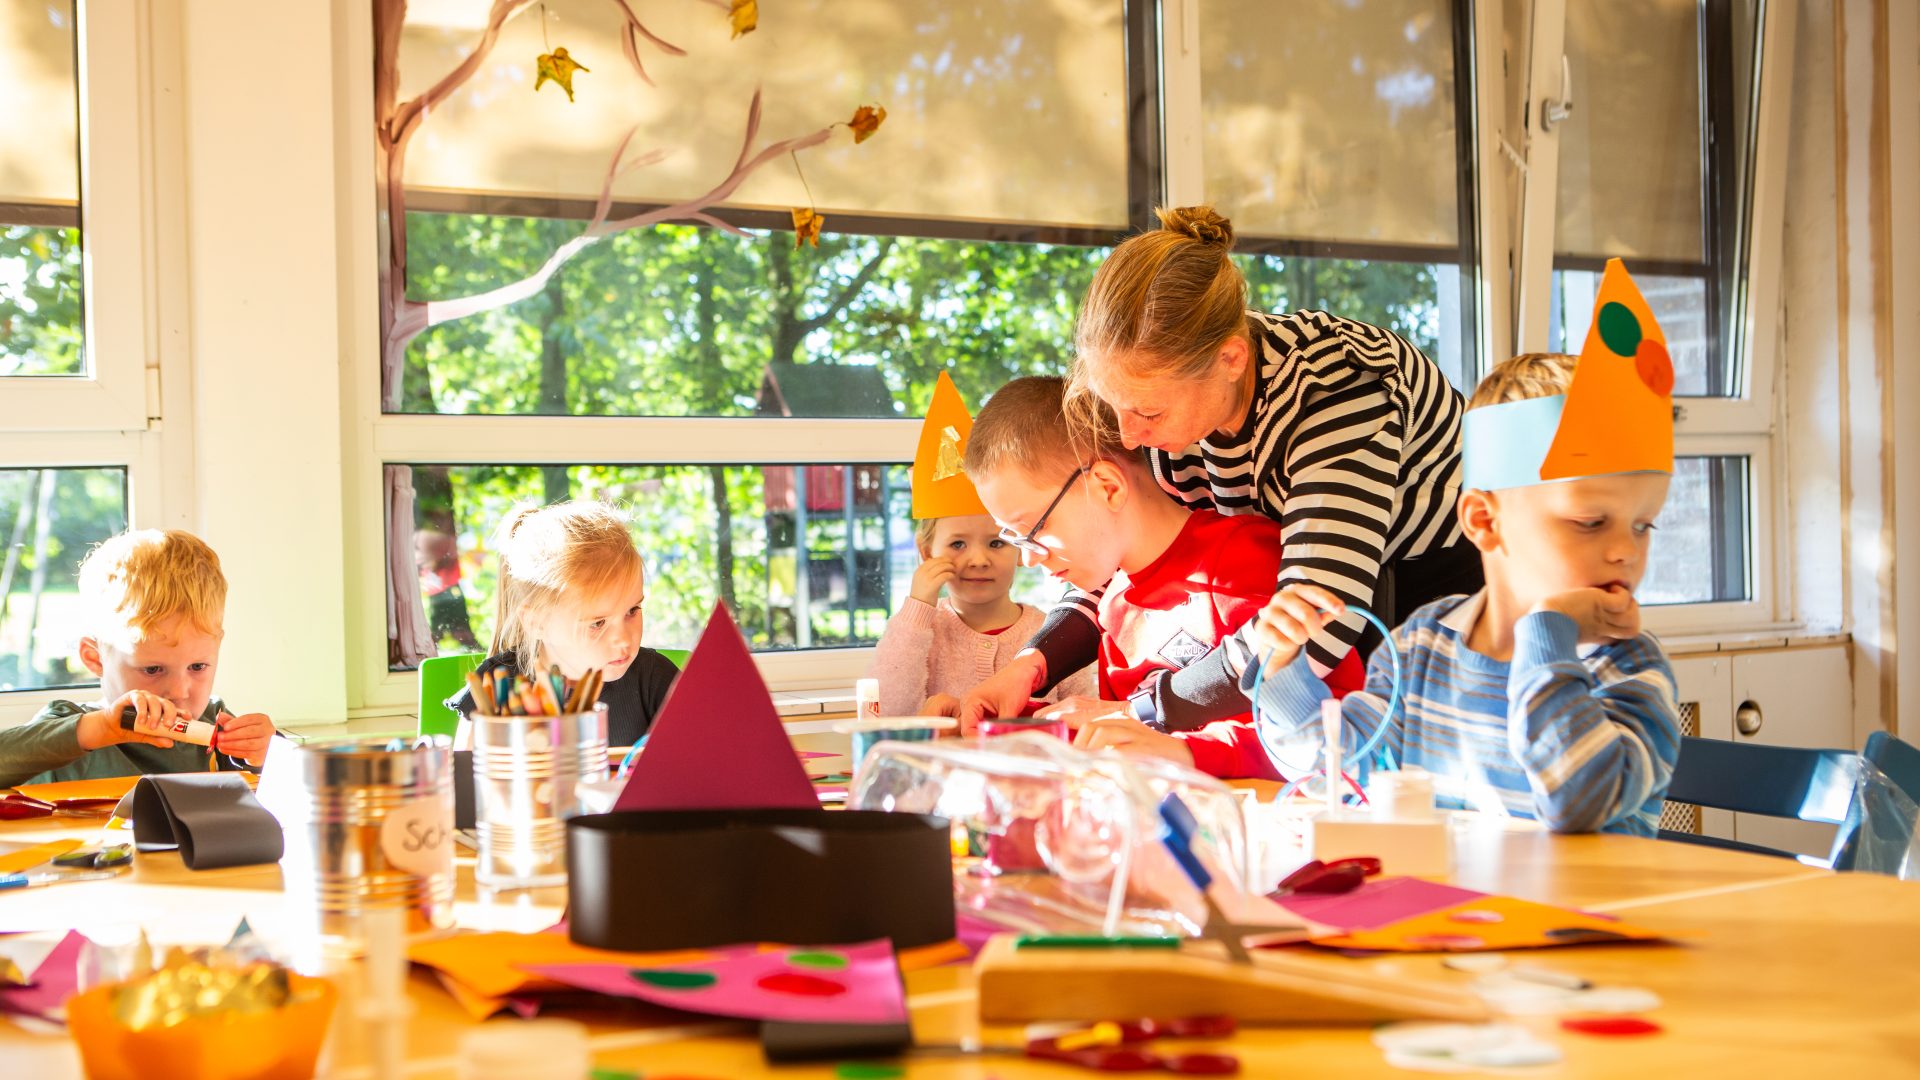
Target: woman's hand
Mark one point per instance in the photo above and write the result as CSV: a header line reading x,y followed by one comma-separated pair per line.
x,y
1297,612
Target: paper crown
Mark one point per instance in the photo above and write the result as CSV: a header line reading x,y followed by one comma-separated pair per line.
x,y
940,484
1616,416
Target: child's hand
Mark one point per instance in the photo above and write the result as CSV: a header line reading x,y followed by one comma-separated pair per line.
x,y
1133,737
246,737
1004,693
940,705
1081,710
929,577
153,717
1603,615
1294,615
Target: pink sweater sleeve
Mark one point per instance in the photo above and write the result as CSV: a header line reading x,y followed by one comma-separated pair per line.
x,y
1230,749
902,659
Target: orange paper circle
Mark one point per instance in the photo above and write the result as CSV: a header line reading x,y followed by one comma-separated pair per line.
x,y
1654,366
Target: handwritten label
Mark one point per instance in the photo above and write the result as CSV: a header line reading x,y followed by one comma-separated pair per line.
x,y
418,837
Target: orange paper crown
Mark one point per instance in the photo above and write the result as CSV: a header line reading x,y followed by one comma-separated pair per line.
x,y
940,484
1618,416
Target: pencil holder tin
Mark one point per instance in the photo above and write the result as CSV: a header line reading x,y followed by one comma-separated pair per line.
x,y
527,774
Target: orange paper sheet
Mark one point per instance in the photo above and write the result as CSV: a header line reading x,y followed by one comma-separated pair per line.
x,y
113,787
14,862
952,495
1487,924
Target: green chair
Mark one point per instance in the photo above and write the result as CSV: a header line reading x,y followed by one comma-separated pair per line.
x,y
440,678
678,656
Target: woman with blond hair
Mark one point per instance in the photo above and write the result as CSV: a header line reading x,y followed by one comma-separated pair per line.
x,y
1343,432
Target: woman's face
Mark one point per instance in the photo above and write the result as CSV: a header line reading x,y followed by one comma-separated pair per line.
x,y
1171,413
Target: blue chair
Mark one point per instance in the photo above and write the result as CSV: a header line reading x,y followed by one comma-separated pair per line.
x,y
1773,781
1878,831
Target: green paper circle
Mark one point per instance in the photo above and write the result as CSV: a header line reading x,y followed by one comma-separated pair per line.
x,y
829,961
1619,328
669,979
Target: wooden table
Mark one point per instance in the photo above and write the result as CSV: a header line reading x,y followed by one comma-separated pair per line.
x,y
1785,970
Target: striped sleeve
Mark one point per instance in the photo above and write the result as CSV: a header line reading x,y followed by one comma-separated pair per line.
x,y
1338,476
1598,739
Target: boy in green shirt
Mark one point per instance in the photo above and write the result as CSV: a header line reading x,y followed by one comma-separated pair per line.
x,y
155,603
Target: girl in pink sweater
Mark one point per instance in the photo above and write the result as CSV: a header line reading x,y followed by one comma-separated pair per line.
x,y
936,648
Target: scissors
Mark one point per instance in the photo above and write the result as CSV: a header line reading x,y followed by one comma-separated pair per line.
x,y
1182,828
1338,876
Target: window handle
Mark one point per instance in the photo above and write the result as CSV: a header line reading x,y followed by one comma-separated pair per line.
x,y
1551,111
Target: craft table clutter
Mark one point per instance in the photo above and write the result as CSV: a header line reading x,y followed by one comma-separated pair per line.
x,y
683,955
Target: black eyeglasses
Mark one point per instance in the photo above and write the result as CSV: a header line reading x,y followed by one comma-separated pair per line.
x,y
1027,543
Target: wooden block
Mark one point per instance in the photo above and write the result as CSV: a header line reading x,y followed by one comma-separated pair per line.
x,y
1018,985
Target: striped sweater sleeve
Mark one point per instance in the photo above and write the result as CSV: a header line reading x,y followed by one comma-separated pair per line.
x,y
1597,738
1338,477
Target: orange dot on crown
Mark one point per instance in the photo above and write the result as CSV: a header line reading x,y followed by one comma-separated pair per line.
x,y
1654,366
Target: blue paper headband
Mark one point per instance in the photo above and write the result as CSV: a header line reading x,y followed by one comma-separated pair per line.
x,y
1505,445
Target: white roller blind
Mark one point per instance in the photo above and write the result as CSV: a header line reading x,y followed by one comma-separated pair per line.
x,y
40,154
1631,182
1331,119
998,109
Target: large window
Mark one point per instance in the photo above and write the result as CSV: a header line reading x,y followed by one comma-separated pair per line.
x,y
1021,141
1654,158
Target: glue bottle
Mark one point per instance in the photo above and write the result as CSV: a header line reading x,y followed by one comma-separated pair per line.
x,y
866,699
181,729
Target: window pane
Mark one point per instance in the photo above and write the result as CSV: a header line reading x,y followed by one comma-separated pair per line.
x,y
997,109
1418,301
51,517
686,321
1679,303
1331,119
732,532
1699,552
39,191
1631,177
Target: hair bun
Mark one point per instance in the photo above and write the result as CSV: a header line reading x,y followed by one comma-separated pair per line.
x,y
1198,223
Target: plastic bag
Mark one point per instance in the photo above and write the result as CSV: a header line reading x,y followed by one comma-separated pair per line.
x,y
1068,841
1879,833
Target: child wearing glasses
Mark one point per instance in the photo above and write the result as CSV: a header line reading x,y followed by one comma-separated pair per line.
x,y
1085,509
936,647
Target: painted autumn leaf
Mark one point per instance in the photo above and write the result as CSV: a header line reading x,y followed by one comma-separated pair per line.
x,y
866,120
744,15
806,227
558,67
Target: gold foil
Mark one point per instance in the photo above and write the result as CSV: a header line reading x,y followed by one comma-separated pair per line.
x,y
947,464
188,986
10,973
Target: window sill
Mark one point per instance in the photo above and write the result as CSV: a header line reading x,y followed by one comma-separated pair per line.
x,y
1786,637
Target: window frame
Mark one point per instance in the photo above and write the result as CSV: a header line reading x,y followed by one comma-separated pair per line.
x,y
132,175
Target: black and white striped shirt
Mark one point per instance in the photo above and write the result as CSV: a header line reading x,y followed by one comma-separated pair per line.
x,y
1352,445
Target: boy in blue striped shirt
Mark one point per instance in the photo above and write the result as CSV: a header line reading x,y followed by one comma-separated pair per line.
x,y
1539,696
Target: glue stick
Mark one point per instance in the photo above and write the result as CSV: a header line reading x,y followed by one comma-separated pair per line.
x,y
198,732
1330,725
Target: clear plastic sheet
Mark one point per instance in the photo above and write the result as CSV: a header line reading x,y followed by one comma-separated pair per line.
x,y
1067,841
1879,833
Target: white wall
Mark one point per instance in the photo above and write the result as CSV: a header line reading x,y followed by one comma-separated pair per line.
x,y
1850,302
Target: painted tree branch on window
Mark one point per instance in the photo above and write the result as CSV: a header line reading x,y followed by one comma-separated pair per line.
x,y
403,319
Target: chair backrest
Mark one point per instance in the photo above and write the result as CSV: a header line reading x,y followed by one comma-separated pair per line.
x,y
678,656
1878,832
1776,781
441,677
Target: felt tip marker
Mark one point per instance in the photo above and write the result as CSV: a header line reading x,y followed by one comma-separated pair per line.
x,y
181,729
